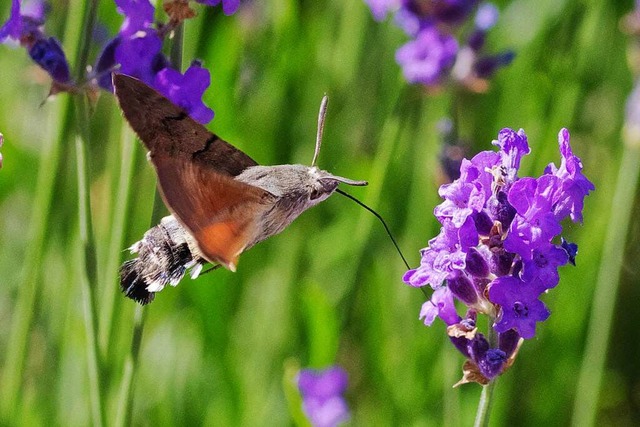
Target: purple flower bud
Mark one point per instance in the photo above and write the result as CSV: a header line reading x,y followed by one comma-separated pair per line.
x,y
322,399
513,146
48,54
508,341
483,223
476,40
463,289
476,263
1,142
486,66
229,7
571,249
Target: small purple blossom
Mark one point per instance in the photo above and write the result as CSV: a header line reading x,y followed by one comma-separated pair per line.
x,y
1,142
441,46
186,90
495,252
229,7
427,58
43,50
322,399
520,306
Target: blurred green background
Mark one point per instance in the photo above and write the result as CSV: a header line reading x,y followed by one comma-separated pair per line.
x,y
327,290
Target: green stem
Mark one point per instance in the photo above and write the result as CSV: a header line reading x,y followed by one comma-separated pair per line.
x,y
121,204
22,318
604,298
484,405
50,162
87,239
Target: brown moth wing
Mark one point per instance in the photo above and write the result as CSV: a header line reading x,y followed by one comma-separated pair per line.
x,y
220,212
167,129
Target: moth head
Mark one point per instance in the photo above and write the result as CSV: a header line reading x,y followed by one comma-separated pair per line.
x,y
323,184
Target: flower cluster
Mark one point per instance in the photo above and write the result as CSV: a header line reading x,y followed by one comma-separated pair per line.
x,y
495,251
435,51
322,399
26,27
135,50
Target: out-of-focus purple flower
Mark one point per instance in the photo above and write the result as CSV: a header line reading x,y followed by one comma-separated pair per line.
x,y
441,46
186,90
137,55
45,51
48,54
381,8
495,252
428,58
12,29
322,399
487,16
1,142
229,7
138,15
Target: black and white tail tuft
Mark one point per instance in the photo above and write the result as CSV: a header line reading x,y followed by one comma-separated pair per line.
x,y
165,252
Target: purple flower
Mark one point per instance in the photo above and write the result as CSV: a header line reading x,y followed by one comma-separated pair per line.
x,y
139,54
429,57
45,51
138,15
543,265
520,306
12,29
322,399
440,305
461,200
494,253
229,7
535,224
1,142
569,199
380,8
186,90
48,54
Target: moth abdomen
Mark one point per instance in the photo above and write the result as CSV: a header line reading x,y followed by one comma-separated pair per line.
x,y
165,253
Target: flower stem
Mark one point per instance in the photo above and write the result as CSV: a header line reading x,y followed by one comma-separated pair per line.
x,y
87,239
484,405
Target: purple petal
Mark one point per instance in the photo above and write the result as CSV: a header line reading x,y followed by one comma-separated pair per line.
x,y
12,29
321,393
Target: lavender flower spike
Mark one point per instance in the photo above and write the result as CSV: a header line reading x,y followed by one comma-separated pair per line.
x,y
498,250
322,399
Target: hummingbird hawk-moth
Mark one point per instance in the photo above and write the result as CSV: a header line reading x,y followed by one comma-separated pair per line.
x,y
222,202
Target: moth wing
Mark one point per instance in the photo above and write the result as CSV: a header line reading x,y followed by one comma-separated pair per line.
x,y
221,213
166,129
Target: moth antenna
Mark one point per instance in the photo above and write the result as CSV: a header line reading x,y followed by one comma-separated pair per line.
x,y
384,224
321,116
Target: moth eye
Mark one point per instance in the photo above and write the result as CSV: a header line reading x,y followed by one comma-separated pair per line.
x,y
315,193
